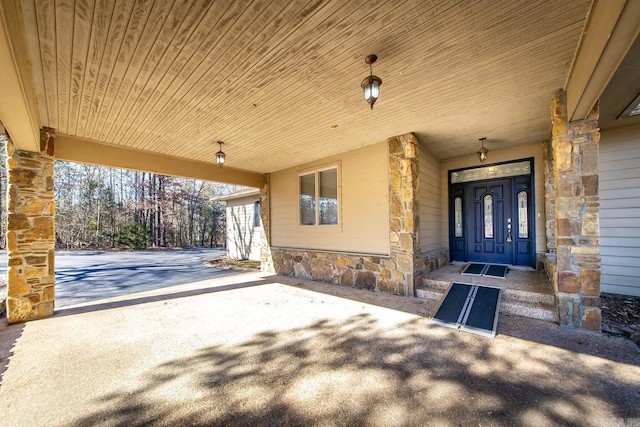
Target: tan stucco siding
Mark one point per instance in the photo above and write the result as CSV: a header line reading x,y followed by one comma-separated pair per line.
x,y
520,152
430,203
243,238
364,205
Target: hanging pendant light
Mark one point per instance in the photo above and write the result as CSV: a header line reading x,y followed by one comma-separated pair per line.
x,y
371,84
482,152
220,156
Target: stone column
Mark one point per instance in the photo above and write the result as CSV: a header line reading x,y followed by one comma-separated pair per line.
x,y
266,260
577,231
404,214
549,196
30,232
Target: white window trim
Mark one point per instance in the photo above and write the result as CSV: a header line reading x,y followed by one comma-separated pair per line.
x,y
316,172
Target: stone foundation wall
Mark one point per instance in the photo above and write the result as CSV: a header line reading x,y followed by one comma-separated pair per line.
x,y
434,260
30,233
375,273
361,271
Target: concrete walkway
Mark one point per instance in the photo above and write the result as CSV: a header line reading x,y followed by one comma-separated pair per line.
x,y
254,350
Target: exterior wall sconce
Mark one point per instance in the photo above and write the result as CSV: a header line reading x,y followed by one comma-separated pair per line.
x,y
482,152
220,156
371,84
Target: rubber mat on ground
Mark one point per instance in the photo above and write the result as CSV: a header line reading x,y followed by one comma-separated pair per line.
x,y
495,270
471,308
475,269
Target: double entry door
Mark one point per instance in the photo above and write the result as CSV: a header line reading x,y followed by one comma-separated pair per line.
x,y
491,221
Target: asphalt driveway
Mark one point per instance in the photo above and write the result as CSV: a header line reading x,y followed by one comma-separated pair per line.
x,y
83,276
255,350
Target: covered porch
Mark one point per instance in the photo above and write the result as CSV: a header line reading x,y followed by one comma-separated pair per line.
x,y
155,87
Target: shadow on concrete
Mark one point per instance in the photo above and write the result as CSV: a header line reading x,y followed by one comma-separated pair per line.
x,y
356,373
70,311
9,335
532,330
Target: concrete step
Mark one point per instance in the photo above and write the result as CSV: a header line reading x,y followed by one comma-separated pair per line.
x,y
531,310
440,285
517,302
427,293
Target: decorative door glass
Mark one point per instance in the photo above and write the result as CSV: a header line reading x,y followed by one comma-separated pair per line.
x,y
523,221
457,209
488,216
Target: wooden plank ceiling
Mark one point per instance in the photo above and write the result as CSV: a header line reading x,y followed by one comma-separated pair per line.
x,y
273,78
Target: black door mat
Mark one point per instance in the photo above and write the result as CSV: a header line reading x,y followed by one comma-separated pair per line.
x,y
471,308
475,269
495,270
488,270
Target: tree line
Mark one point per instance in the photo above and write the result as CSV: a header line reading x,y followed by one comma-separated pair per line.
x,y
105,208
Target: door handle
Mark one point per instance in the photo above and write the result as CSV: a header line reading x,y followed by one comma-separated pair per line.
x,y
509,239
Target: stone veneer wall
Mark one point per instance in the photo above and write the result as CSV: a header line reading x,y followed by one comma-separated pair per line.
x,y
266,259
576,214
30,232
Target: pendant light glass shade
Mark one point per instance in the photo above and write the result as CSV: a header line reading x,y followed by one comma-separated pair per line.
x,y
371,84
482,152
220,156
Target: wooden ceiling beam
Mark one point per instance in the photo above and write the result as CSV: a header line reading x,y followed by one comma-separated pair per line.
x,y
610,30
79,150
18,106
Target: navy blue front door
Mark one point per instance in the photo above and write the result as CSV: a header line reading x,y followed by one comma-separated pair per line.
x,y
489,221
492,220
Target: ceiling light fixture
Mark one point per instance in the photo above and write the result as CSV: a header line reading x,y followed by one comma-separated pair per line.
x,y
220,156
482,152
371,84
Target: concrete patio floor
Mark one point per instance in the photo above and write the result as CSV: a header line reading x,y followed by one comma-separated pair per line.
x,y
269,350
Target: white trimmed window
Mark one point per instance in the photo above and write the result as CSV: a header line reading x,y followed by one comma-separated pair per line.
x,y
318,197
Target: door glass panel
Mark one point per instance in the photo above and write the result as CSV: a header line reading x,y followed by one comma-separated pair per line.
x,y
523,222
488,216
457,206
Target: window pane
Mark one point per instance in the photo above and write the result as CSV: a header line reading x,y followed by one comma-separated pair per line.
x,y
256,214
307,199
328,196
523,221
488,217
457,206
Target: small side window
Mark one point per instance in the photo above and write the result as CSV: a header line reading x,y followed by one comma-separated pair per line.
x,y
256,214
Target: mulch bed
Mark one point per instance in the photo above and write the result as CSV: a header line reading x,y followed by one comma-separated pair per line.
x,y
621,314
234,264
